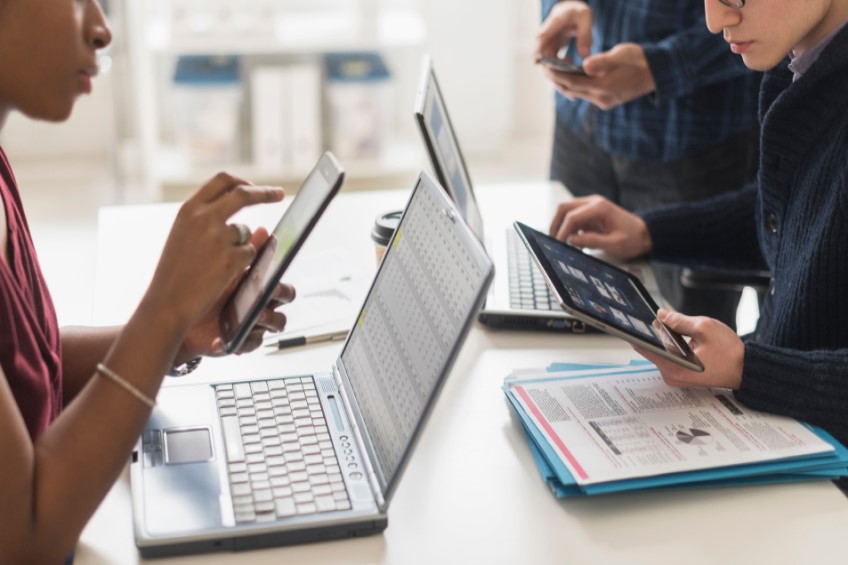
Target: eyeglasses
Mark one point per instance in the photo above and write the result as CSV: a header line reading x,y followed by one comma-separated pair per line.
x,y
735,4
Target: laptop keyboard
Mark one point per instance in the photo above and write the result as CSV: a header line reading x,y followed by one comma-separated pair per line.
x,y
527,287
280,458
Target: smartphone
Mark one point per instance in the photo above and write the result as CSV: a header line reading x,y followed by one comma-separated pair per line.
x,y
561,65
605,297
255,290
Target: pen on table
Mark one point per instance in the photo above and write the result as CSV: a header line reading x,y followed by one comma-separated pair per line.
x,y
306,339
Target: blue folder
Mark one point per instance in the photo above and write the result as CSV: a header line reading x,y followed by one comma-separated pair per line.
x,y
825,466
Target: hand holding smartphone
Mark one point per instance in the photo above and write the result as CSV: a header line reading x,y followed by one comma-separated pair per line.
x,y
561,65
564,64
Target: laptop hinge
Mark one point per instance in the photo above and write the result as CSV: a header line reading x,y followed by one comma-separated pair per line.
x,y
360,443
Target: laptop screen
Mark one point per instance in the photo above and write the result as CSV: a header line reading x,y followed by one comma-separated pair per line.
x,y
443,147
413,321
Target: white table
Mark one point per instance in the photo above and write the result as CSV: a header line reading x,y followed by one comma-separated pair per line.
x,y
471,493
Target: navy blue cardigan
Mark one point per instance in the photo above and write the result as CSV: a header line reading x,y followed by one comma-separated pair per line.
x,y
794,222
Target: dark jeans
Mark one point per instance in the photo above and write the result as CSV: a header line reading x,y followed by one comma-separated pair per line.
x,y
635,185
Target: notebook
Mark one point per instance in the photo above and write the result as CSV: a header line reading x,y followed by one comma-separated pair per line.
x,y
257,463
519,297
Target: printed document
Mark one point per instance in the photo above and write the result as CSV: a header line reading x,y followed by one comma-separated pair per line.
x,y
621,426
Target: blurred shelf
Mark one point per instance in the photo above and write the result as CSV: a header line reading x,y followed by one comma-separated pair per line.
x,y
262,34
289,33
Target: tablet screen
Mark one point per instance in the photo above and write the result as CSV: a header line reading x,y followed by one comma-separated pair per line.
x,y
602,292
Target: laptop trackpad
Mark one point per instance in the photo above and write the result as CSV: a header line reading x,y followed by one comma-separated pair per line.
x,y
187,446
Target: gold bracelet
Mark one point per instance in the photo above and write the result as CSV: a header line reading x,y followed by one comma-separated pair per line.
x,y
118,379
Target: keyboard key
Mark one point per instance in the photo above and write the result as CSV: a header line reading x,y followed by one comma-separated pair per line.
x,y
281,481
285,507
273,450
263,495
251,438
247,420
308,508
242,390
296,466
303,497
322,490
301,487
285,425
238,467
244,500
232,439
240,489
282,492
325,503
298,476
313,459
271,441
243,517
315,469
266,423
275,461
259,386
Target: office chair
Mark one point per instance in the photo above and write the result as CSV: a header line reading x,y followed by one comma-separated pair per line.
x,y
716,279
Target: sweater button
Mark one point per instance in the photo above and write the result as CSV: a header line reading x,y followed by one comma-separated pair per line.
x,y
772,222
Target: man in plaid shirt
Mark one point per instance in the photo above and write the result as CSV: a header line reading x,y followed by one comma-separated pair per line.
x,y
665,113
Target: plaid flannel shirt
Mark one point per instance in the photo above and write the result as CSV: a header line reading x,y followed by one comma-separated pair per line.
x,y
704,93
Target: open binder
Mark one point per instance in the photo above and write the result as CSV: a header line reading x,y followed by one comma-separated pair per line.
x,y
615,449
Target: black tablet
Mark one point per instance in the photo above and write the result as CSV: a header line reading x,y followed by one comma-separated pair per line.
x,y
605,297
257,287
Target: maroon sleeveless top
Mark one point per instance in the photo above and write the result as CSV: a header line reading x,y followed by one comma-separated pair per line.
x,y
30,346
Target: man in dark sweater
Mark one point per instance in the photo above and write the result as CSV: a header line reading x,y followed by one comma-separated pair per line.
x,y
793,221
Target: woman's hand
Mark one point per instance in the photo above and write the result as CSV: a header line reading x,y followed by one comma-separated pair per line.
x,y
204,254
205,337
715,344
595,222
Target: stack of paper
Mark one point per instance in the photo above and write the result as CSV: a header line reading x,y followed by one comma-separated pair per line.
x,y
596,429
330,288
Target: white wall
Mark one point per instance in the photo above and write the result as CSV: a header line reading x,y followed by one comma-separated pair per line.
x,y
88,134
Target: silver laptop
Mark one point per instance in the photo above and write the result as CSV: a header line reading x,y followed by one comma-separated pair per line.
x,y
519,297
257,463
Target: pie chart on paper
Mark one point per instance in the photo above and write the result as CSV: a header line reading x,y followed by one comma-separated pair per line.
x,y
694,436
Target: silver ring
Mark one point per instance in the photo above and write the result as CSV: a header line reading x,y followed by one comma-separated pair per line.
x,y
243,234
